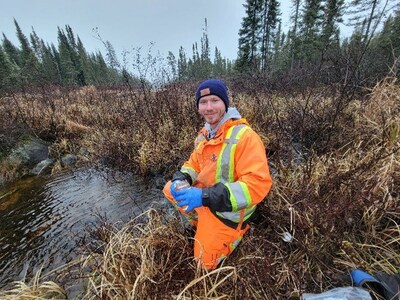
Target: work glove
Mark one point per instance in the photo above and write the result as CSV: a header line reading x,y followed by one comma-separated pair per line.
x,y
189,197
173,187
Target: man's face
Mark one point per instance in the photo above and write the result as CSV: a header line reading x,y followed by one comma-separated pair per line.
x,y
212,109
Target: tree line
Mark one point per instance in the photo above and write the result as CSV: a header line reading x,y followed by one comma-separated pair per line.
x,y
313,42
311,47
200,65
38,63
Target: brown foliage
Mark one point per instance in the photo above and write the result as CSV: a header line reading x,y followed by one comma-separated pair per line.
x,y
335,164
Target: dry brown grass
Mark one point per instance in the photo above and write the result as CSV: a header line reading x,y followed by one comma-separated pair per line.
x,y
34,290
341,207
142,131
150,258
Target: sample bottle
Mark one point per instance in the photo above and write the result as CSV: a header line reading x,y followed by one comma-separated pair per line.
x,y
182,185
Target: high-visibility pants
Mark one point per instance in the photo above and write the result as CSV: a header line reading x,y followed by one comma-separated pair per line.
x,y
214,240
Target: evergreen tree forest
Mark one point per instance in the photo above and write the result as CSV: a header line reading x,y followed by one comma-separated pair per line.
x,y
312,51
37,63
312,48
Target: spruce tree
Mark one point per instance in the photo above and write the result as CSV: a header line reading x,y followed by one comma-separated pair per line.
x,y
84,61
205,60
270,18
311,46
195,63
6,71
330,41
333,13
26,49
249,37
366,13
12,51
35,42
49,63
30,73
219,68
75,57
66,65
281,55
384,55
172,64
293,38
101,69
182,65
57,59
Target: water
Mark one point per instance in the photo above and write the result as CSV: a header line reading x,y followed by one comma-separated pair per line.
x,y
43,219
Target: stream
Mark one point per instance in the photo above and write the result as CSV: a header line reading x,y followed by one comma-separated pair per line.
x,y
43,219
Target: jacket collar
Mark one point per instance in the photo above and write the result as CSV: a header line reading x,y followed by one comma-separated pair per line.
x,y
232,117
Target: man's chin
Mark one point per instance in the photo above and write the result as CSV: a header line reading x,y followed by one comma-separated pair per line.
x,y
210,120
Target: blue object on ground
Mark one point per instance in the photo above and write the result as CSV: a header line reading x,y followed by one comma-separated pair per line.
x,y
360,277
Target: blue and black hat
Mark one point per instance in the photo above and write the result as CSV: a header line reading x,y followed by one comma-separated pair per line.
x,y
213,87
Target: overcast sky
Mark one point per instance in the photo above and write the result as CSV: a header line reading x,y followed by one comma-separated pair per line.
x,y
129,24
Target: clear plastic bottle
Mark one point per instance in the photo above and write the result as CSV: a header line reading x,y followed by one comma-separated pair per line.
x,y
182,185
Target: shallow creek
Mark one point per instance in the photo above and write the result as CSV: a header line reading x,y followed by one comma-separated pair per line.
x,y
43,219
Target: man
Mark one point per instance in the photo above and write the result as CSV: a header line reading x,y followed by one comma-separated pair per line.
x,y
228,173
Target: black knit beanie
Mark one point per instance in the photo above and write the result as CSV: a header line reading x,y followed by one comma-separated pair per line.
x,y
213,87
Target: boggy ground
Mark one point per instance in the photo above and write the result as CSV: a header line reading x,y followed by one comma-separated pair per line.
x,y
335,161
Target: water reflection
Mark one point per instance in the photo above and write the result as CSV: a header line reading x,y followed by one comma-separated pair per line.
x,y
42,219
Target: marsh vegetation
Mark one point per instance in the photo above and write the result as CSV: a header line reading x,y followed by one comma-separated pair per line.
x,y
335,164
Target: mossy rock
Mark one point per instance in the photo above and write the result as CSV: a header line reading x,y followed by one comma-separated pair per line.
x,y
26,153
30,150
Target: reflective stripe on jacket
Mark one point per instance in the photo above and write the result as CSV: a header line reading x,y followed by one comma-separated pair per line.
x,y
232,169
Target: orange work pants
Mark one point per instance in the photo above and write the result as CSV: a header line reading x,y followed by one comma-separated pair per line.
x,y
214,240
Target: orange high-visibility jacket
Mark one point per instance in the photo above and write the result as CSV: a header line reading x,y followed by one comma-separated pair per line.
x,y
232,169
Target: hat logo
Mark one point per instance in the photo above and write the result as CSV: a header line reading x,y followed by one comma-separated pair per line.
x,y
204,92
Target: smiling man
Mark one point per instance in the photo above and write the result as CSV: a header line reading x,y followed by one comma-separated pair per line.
x,y
227,174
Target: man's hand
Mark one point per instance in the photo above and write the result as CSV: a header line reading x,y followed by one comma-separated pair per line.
x,y
190,197
177,185
172,188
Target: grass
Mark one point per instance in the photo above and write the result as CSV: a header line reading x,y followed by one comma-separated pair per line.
x,y
149,257
336,168
34,290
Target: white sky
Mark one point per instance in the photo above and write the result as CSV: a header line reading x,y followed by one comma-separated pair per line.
x,y
129,24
